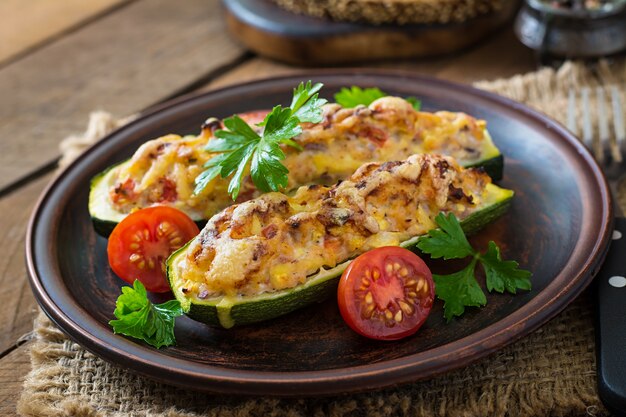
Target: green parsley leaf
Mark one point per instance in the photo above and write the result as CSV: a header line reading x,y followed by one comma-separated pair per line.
x,y
415,102
503,275
240,145
281,126
240,134
237,162
239,126
447,242
306,105
233,159
137,317
459,290
266,170
355,96
214,168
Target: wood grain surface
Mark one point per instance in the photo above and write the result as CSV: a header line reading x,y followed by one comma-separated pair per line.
x,y
29,24
17,305
124,59
129,60
13,368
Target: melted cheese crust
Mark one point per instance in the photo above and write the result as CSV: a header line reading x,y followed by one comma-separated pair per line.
x,y
275,242
163,170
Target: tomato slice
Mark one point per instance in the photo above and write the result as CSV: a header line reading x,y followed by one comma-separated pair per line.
x,y
386,293
140,244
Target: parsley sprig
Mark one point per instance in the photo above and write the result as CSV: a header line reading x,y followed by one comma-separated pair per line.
x,y
240,145
137,317
354,96
461,289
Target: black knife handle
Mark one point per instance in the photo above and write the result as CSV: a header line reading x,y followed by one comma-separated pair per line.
x,y
611,323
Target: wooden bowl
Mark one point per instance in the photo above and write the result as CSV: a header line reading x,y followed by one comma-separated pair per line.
x,y
268,30
558,227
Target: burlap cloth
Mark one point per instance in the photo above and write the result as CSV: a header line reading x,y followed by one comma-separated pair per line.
x,y
548,373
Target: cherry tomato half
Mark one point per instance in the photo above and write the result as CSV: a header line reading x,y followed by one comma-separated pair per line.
x,y
386,293
140,244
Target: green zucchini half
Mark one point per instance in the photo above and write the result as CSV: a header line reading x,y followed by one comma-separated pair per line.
x,y
105,217
229,312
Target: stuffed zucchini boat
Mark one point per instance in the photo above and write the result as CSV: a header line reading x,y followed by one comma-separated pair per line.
x,y
271,255
163,171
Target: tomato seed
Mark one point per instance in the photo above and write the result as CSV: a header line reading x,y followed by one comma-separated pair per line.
x,y
398,316
396,266
404,272
389,268
420,285
388,314
134,257
369,299
365,282
376,274
407,308
369,310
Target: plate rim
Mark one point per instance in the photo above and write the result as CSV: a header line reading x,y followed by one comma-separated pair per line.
x,y
149,362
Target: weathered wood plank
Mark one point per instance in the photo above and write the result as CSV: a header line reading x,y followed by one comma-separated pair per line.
x,y
123,62
499,57
17,303
13,370
26,24
252,69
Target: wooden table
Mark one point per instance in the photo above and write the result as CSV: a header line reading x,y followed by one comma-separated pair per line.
x,y
59,60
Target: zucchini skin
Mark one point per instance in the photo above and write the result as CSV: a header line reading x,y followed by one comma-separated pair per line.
x,y
253,312
247,311
493,167
103,227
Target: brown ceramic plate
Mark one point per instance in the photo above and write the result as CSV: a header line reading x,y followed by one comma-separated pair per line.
x,y
558,227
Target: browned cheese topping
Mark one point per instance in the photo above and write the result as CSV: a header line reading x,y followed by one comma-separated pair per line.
x,y
276,242
163,170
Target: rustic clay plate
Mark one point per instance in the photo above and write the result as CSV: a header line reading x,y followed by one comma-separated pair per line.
x,y
558,227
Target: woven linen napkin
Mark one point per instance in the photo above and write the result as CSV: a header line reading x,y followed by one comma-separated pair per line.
x,y
551,372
